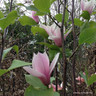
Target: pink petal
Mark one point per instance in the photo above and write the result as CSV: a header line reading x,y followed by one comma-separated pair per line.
x,y
47,29
35,18
41,64
54,62
82,4
58,41
65,35
33,72
78,78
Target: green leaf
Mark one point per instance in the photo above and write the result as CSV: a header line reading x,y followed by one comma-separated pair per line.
x,y
56,94
52,54
20,4
85,25
51,1
87,36
53,47
16,48
52,79
17,64
39,30
43,5
1,15
84,77
59,17
31,7
78,22
85,15
6,51
92,79
68,52
30,91
5,22
25,20
3,71
35,82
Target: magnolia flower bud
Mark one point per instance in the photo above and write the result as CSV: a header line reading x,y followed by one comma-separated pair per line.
x,y
35,18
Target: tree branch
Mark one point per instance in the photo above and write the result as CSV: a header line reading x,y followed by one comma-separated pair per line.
x,y
63,49
74,48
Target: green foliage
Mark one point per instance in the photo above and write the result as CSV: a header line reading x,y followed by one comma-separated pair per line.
x,y
84,26
32,7
56,94
25,20
88,33
35,82
52,79
1,15
84,77
92,79
78,22
51,1
17,64
3,71
88,80
6,21
68,52
6,51
88,36
59,17
16,48
52,54
85,15
31,91
50,46
42,6
39,30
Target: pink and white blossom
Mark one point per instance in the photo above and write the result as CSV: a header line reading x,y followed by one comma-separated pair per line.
x,y
41,68
55,34
87,5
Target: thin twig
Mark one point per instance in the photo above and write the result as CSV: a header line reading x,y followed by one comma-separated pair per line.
x,y
53,19
73,53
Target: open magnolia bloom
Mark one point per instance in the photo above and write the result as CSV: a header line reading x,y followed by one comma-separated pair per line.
x,y
41,68
87,5
55,34
35,18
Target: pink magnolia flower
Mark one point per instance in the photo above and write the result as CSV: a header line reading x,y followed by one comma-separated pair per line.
x,y
87,5
35,18
55,34
80,79
41,67
54,87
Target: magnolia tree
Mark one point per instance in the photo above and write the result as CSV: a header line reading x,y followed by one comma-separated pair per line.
x,y
62,42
